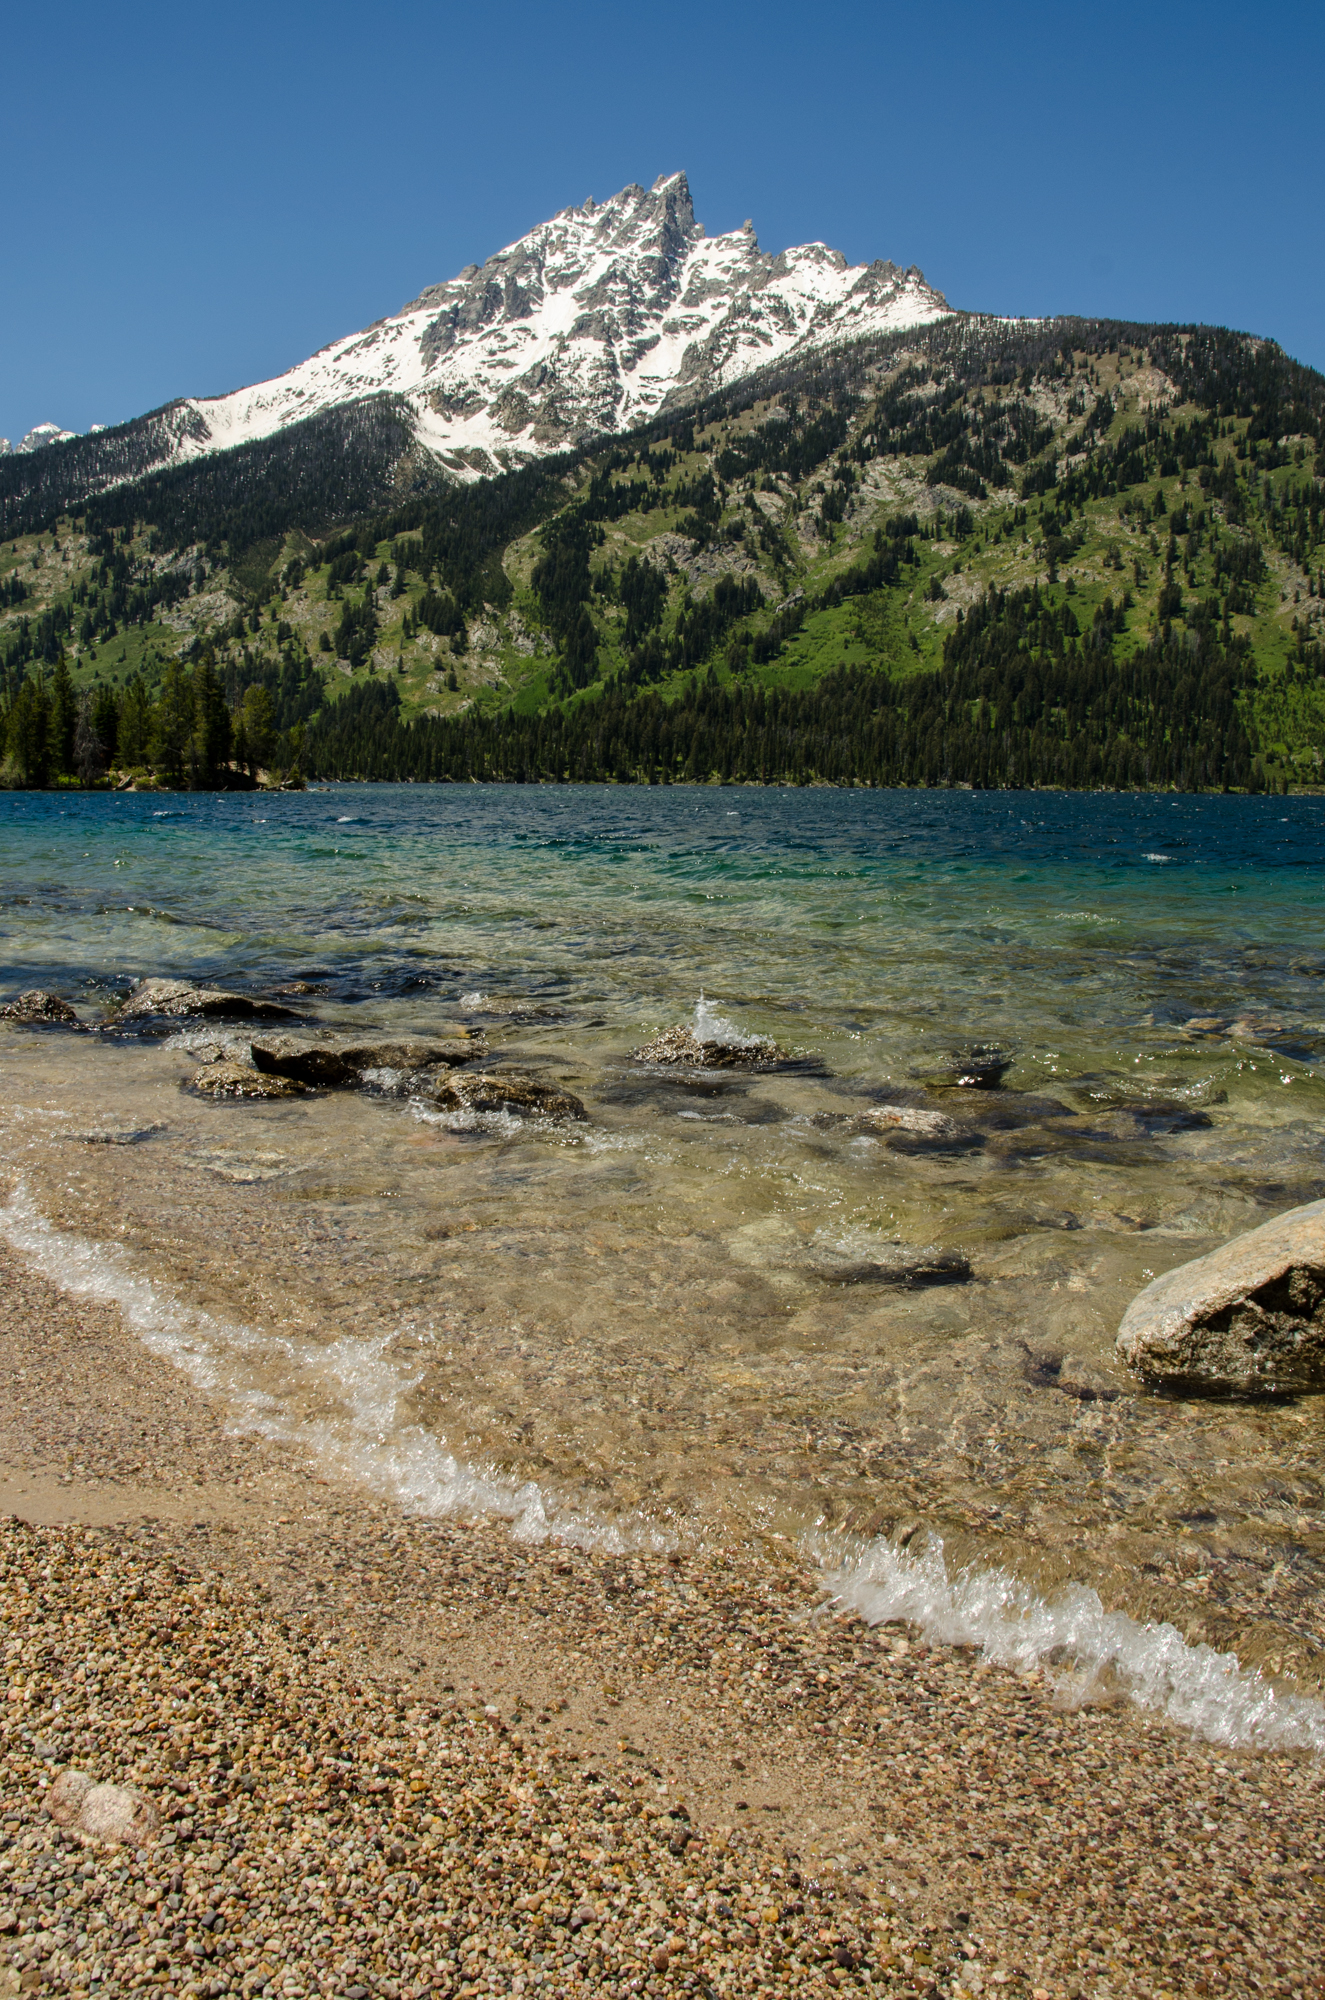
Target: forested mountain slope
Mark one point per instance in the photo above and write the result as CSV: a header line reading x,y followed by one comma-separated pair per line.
x,y
1072,552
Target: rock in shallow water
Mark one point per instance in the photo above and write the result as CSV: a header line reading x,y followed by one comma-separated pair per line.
x,y
904,1118
681,1046
493,1091
1249,1319
341,1064
891,1264
236,1079
177,1000
39,1009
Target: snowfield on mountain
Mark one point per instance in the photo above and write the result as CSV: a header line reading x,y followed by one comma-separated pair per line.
x,y
591,323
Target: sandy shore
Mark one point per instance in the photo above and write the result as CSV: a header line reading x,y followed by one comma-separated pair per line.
x,y
401,1757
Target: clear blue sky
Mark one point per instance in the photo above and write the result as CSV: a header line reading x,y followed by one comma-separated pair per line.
x,y
199,197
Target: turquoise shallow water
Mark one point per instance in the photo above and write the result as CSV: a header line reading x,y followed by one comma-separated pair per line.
x,y
677,1316
800,896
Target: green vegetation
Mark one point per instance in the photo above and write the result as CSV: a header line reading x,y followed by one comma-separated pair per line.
x,y
1081,554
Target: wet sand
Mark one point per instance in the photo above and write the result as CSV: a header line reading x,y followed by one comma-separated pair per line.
x,y
401,1756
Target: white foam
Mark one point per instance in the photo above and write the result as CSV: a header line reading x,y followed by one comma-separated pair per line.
x,y
1091,1650
713,1027
497,1124
355,1382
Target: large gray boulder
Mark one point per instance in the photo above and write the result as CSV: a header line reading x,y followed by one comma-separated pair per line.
x,y
1249,1319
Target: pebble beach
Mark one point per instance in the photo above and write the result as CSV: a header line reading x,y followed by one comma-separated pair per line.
x,y
399,1757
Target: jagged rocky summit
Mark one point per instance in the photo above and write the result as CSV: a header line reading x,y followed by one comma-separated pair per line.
x,y
39,435
593,322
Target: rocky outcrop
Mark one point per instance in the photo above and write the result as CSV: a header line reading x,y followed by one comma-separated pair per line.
x,y
1249,1319
39,1009
342,1064
177,1000
237,1079
113,1813
681,1047
520,1095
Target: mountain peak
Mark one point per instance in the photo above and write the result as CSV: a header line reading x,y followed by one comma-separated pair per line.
x,y
593,321
39,435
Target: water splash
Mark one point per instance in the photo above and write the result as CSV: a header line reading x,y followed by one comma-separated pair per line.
x,y
714,1027
1091,1650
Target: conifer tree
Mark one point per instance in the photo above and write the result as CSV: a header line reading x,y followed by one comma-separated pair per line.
x,y
64,717
174,717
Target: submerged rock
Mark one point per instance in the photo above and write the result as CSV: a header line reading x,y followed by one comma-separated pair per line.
x,y
177,1000
237,1079
507,1007
523,1096
982,1067
1249,1319
338,1065
775,1244
890,1264
906,1118
39,1009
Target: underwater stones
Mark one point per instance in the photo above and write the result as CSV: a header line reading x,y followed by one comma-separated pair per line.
x,y
981,1067
237,1079
39,1009
521,1095
506,1007
774,1244
1248,1319
333,1065
177,1000
906,1118
890,1264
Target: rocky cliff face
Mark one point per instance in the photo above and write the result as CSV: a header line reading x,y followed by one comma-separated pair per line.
x,y
593,322
39,435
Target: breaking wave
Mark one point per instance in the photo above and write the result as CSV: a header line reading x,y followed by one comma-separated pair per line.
x,y
364,1436
1092,1652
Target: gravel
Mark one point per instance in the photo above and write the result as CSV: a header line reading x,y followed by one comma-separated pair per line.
x,y
396,1757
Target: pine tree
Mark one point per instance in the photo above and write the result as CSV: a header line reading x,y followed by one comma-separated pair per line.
x,y
64,717
212,724
174,722
134,727
30,732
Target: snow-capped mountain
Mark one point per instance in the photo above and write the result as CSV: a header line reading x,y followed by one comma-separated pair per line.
x,y
592,323
39,435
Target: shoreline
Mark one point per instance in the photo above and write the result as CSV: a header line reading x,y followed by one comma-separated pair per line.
x,y
932,1808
